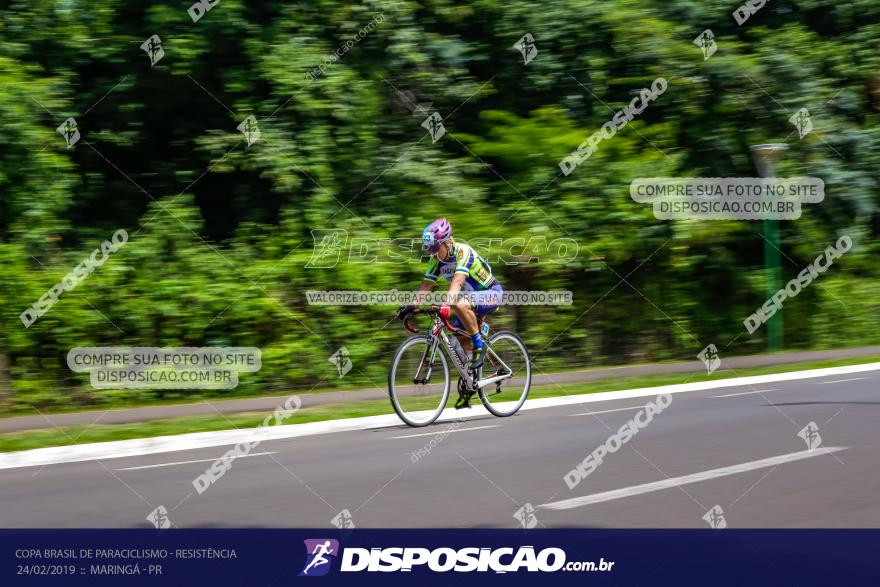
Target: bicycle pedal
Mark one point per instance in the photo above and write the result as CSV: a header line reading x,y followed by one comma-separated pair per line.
x,y
463,402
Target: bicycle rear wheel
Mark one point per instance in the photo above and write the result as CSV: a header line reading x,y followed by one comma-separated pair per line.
x,y
506,355
418,383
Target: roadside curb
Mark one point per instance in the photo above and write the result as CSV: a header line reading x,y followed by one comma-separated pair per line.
x,y
161,444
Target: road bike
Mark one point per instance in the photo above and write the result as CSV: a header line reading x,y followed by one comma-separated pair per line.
x,y
419,380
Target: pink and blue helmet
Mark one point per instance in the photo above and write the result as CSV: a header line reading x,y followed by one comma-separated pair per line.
x,y
435,233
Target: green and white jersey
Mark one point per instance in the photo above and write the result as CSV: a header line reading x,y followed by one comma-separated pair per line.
x,y
463,260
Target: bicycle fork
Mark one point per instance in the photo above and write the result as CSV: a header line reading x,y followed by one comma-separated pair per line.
x,y
427,363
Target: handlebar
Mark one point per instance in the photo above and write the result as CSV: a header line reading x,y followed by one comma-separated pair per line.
x,y
407,319
429,311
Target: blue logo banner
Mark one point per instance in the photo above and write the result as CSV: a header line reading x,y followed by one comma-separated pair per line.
x,y
437,557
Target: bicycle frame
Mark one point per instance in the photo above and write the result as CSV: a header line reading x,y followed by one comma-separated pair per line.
x,y
437,333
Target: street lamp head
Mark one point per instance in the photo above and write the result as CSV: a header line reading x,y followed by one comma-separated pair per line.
x,y
765,156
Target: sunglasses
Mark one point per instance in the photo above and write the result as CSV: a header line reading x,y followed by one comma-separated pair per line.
x,y
432,248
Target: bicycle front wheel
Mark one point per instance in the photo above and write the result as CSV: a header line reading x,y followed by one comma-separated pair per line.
x,y
506,358
418,382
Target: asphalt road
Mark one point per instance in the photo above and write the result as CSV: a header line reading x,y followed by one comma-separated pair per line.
x,y
488,468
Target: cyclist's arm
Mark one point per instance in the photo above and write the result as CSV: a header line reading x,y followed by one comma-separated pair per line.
x,y
428,281
455,286
426,286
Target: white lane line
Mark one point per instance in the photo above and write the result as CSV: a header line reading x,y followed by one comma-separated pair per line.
x,y
841,380
196,440
575,502
255,454
608,411
444,432
747,392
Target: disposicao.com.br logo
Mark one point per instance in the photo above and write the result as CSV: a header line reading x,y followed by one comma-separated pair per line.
x,y
319,554
441,560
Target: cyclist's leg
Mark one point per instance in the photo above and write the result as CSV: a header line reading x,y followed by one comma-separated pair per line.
x,y
490,300
464,339
487,301
480,304
464,315
464,311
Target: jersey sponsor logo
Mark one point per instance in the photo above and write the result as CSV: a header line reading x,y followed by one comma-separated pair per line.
x,y
479,271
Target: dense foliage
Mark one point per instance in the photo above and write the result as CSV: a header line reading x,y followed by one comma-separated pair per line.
x,y
220,231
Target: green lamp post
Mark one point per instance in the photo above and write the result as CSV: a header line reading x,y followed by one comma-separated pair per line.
x,y
765,156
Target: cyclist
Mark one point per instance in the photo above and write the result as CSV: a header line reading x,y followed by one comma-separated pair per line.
x,y
465,271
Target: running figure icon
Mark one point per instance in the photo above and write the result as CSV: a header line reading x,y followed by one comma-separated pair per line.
x,y
318,552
